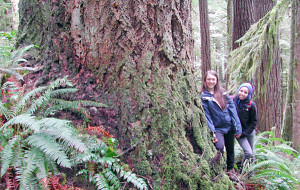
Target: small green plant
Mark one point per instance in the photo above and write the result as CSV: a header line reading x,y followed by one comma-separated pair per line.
x,y
11,59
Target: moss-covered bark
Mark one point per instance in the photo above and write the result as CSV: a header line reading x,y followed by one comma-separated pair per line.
x,y
135,56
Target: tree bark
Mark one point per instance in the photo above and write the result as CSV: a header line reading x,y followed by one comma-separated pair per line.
x,y
136,57
205,37
288,117
229,37
296,107
242,19
269,91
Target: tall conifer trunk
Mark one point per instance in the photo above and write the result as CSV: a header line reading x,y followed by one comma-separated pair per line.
x,y
205,37
296,107
268,95
135,56
288,117
268,91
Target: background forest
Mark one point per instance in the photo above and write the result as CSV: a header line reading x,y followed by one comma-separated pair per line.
x,y
105,94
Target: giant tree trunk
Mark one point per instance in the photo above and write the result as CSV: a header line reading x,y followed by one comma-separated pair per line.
x,y
269,90
136,57
205,37
296,108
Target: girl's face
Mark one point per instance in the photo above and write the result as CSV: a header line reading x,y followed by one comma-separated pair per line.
x,y
243,93
211,81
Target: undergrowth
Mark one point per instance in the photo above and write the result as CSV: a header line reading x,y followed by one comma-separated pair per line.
x,y
276,165
35,145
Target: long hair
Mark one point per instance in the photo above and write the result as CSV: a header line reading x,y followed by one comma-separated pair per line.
x,y
218,90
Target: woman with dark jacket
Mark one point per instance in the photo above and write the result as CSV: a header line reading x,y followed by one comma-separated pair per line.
x,y
247,113
221,116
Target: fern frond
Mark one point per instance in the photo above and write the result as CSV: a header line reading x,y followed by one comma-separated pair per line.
x,y
62,91
50,147
25,68
269,155
4,111
26,120
43,166
20,106
137,182
38,103
8,153
26,172
96,145
59,125
62,130
20,52
272,176
275,174
112,179
59,82
12,73
92,103
74,106
284,148
101,182
273,167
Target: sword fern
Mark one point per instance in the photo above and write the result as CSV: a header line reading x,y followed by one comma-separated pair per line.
x,y
106,171
276,164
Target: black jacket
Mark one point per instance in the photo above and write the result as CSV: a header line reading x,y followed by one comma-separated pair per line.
x,y
248,116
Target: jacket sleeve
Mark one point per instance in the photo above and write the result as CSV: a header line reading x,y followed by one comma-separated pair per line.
x,y
234,115
210,123
252,120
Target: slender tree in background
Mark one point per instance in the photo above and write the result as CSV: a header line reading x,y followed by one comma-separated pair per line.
x,y
229,38
205,37
296,107
135,56
288,117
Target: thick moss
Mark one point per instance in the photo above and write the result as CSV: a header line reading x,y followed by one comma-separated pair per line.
x,y
143,168
159,105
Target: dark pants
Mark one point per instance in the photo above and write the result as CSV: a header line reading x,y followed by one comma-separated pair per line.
x,y
226,140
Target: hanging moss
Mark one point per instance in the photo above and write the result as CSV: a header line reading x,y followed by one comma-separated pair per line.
x,y
244,61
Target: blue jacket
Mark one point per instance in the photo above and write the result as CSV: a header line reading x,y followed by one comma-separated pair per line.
x,y
219,120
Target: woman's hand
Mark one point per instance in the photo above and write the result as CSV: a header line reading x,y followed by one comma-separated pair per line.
x,y
215,138
238,136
